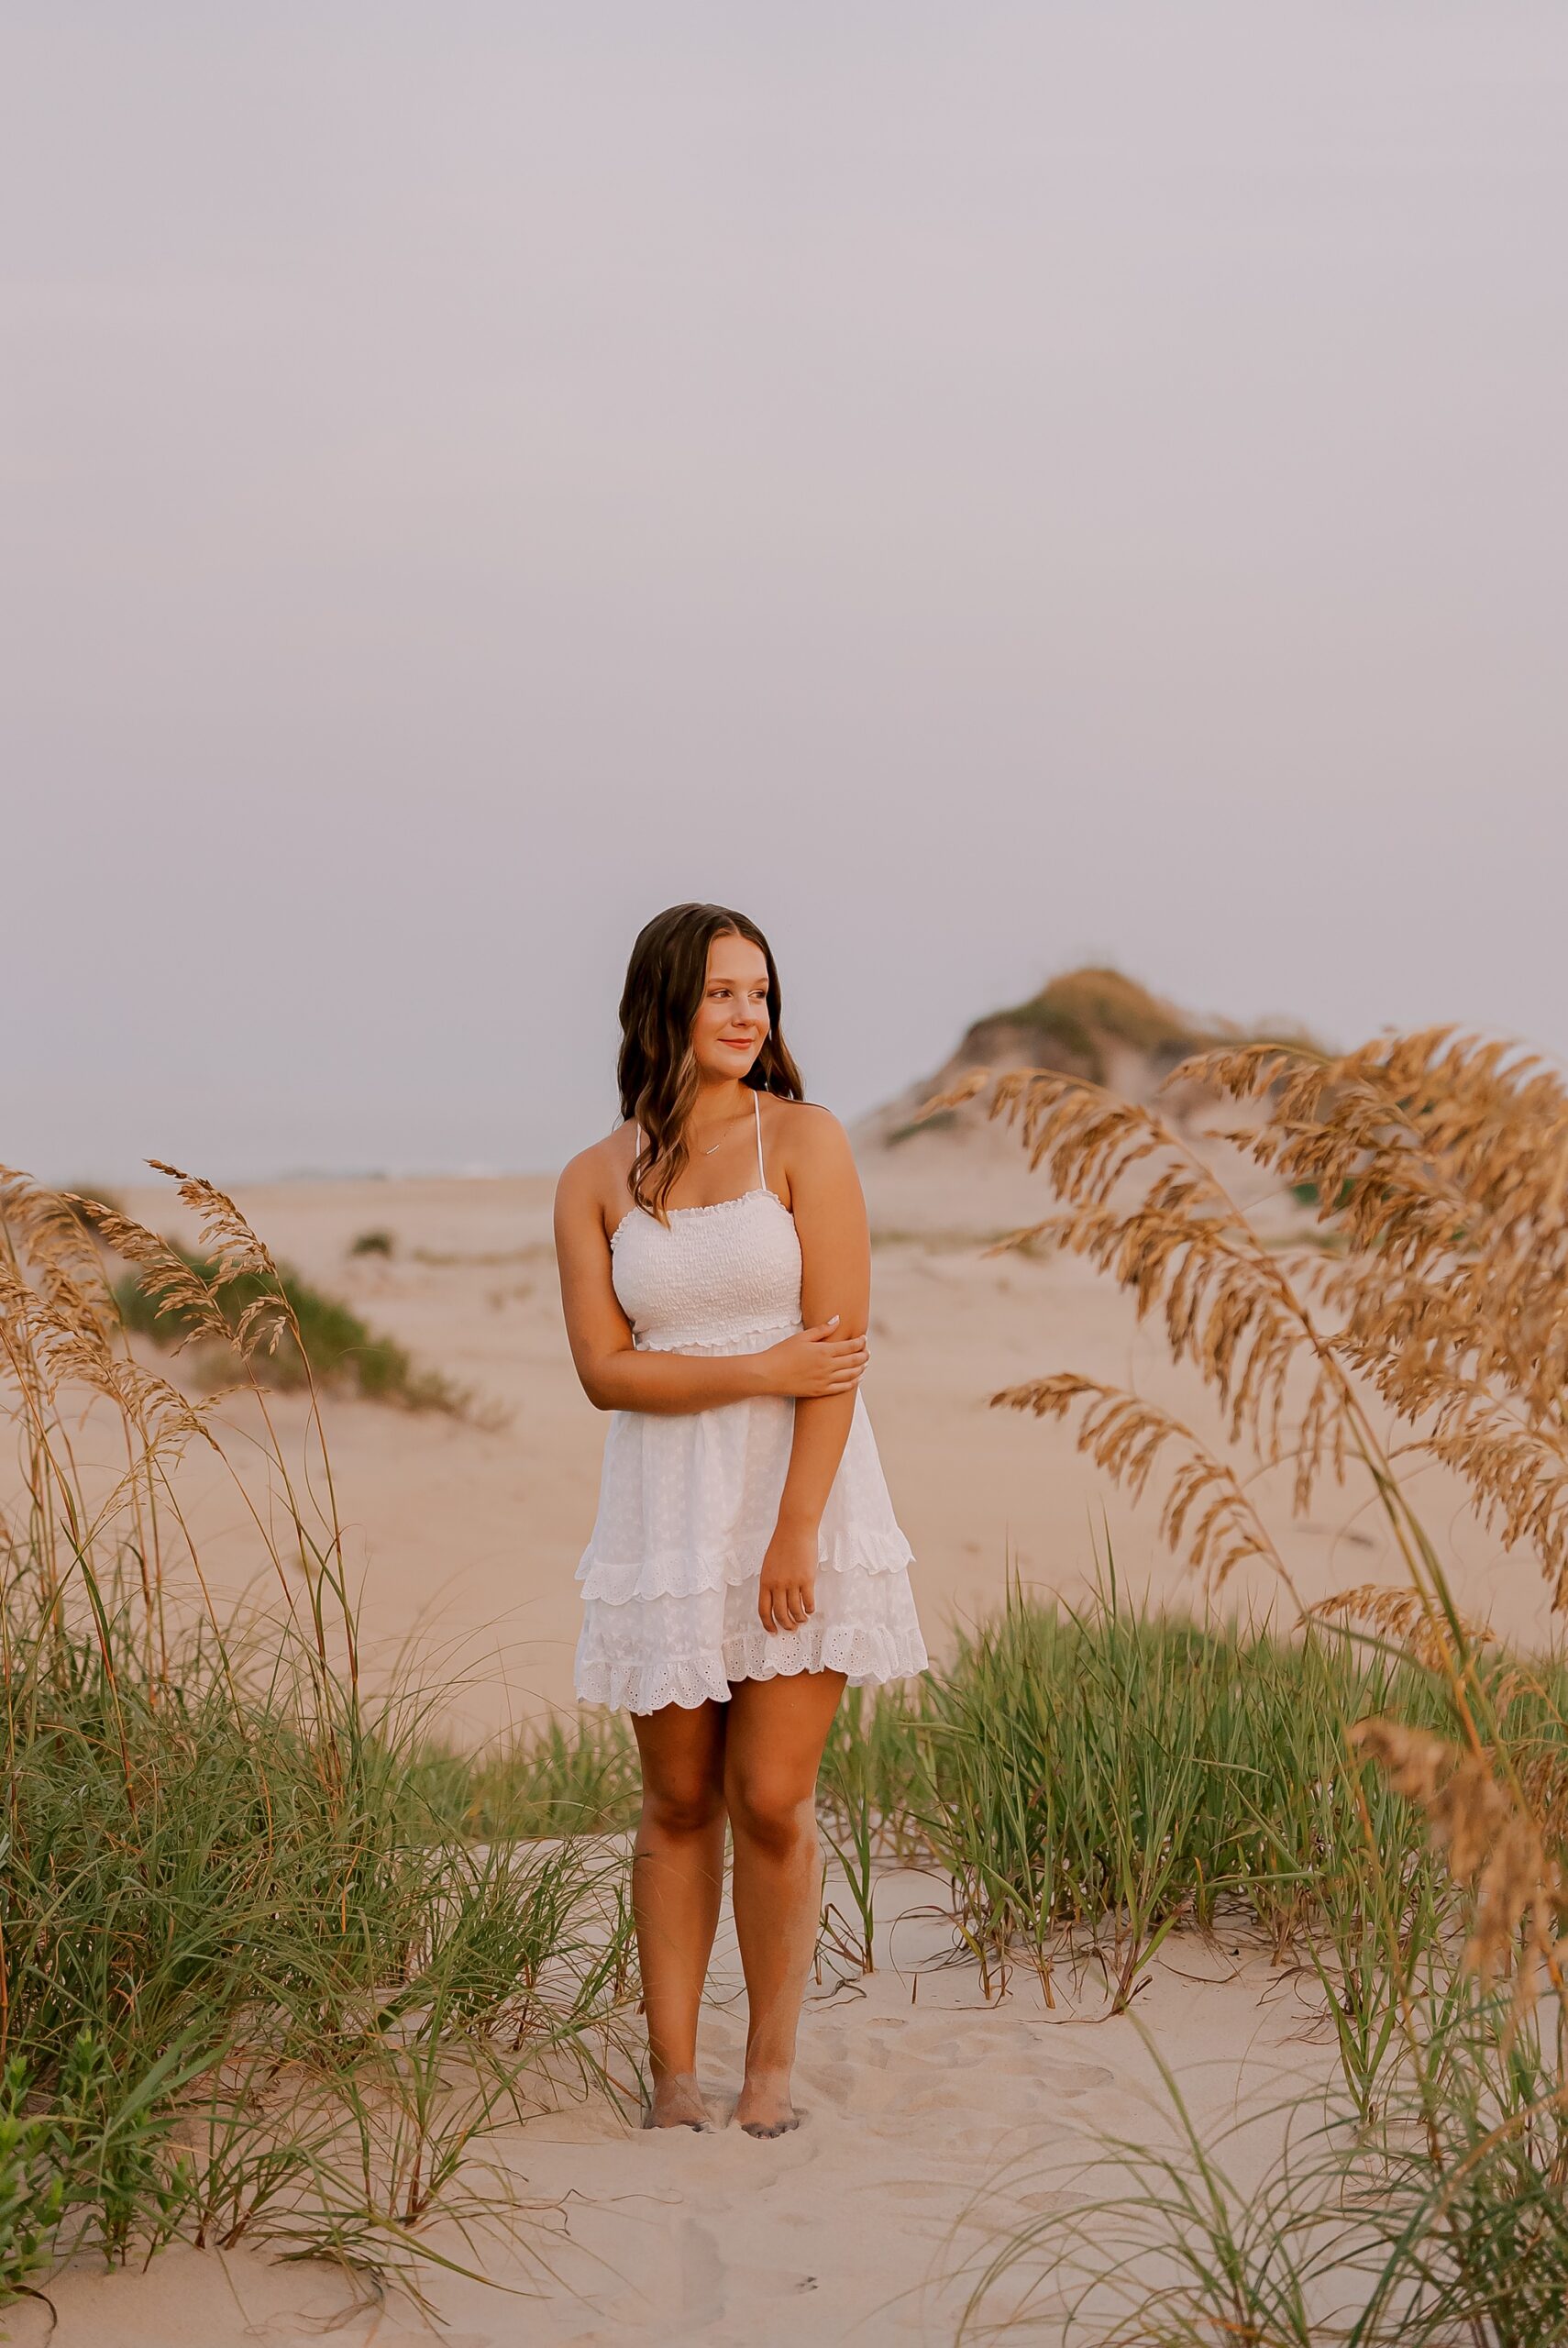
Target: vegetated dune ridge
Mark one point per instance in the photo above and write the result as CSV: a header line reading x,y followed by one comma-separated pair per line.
x,y
1095,1024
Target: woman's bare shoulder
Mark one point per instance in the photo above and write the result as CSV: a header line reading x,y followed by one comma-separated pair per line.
x,y
806,1118
597,1176
809,1135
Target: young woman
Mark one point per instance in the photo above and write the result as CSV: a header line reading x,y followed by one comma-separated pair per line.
x,y
745,1565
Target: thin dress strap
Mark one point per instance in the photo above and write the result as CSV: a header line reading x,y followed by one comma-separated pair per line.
x,y
761,1169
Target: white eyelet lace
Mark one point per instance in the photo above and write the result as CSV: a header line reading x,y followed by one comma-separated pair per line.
x,y
688,1504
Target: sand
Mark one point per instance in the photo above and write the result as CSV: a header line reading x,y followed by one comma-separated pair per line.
x,y
932,2124
931,2119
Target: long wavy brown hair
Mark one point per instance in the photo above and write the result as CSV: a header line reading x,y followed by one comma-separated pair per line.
x,y
657,1070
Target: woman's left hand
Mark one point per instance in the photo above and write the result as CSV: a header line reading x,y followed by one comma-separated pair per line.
x,y
788,1593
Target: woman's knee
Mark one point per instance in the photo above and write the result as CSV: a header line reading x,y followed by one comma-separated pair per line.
x,y
772,1808
688,1803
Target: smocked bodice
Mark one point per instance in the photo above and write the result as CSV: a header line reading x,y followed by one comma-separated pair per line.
x,y
710,1276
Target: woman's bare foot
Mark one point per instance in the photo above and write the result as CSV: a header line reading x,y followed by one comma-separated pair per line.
x,y
677,2102
765,2109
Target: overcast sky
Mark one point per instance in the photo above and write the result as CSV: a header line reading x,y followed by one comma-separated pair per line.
x,y
979,486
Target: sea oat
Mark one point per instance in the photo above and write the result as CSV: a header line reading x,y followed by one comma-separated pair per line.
x,y
1489,1844
225,1234
1440,1162
1206,1512
1404,1615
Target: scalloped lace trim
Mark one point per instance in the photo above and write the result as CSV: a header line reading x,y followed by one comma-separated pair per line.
x,y
865,1656
677,1574
717,1343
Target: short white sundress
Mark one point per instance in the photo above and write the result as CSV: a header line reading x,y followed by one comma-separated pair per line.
x,y
687,1503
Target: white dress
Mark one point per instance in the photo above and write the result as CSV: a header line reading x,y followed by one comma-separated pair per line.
x,y
687,1503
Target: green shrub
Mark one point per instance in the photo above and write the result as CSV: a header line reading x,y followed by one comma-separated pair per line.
x,y
334,1347
373,1243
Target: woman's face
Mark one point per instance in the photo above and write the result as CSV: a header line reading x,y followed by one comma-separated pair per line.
x,y
732,1022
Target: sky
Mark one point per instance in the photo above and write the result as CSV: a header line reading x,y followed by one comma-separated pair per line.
x,y
981,487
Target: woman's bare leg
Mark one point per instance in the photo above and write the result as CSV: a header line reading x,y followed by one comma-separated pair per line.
x,y
678,1878
773,1749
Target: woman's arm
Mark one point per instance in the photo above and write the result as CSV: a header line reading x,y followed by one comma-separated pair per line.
x,y
821,1361
835,1277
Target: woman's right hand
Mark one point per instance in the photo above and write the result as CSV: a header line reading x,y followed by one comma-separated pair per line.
x,y
816,1362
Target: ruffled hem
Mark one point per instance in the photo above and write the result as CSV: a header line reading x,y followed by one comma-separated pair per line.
x,y
679,1574
730,1337
866,1655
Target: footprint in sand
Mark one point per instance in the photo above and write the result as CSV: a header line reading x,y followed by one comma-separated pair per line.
x,y
702,2270
977,2120
1076,2079
1047,2202
956,2055
1013,2099
878,2092
831,2083
1049,2077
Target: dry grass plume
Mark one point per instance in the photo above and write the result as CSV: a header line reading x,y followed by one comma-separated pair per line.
x,y
1435,1327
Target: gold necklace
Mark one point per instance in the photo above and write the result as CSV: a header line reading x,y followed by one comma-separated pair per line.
x,y
719,1144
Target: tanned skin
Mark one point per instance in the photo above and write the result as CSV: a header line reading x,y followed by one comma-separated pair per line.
x,y
753,1761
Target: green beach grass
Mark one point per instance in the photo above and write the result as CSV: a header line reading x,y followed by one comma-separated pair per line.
x,y
266,1974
